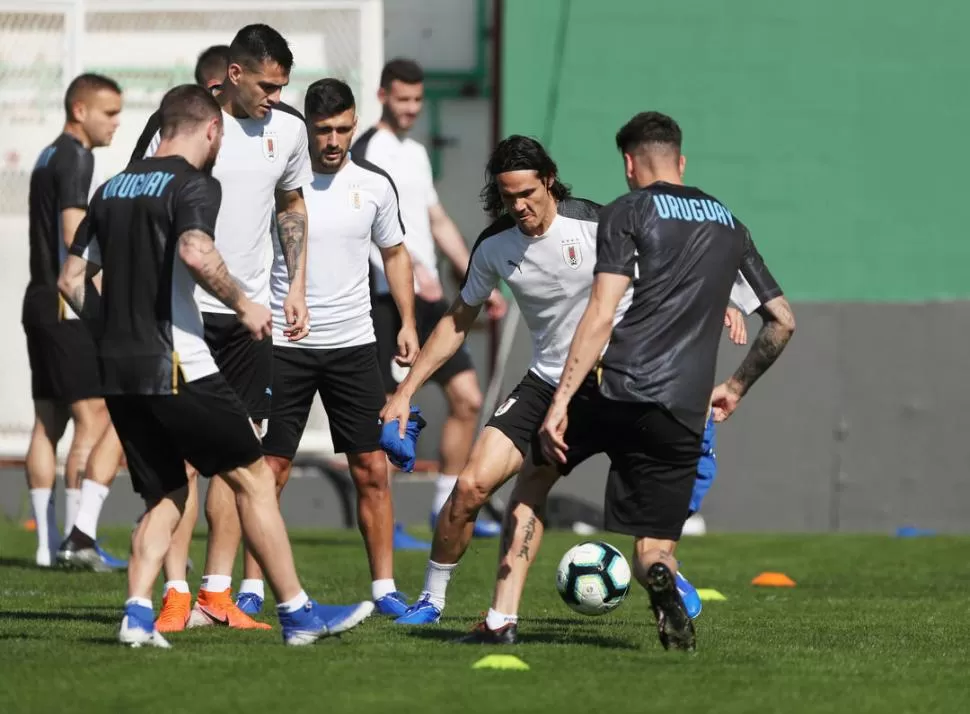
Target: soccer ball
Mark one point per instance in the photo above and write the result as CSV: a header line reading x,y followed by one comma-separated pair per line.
x,y
593,578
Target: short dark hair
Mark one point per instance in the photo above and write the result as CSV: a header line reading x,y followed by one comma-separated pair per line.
x,y
327,97
648,128
212,64
519,153
402,70
184,107
83,84
255,44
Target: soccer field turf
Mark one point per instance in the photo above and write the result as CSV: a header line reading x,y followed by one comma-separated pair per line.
x,y
875,624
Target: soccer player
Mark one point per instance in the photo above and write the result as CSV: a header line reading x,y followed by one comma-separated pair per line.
x,y
63,363
426,224
350,205
263,165
644,400
150,230
542,244
80,547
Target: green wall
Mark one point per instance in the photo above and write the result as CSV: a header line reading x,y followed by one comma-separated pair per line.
x,y
836,130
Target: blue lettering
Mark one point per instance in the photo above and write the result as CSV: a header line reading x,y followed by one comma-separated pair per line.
x,y
125,189
674,207
730,218
708,210
137,185
685,209
719,210
695,207
155,178
111,189
166,178
658,201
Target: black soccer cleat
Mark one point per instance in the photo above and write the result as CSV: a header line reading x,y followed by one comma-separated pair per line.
x,y
674,626
482,635
80,551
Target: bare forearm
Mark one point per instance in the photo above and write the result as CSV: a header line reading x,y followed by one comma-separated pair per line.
x,y
767,345
448,239
73,290
400,281
292,230
205,264
447,338
587,345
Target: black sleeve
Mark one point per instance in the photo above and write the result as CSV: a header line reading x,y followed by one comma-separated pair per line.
x,y
197,205
616,248
152,126
83,235
74,171
754,271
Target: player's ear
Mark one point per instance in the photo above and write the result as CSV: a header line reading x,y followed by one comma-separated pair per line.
x,y
628,164
381,95
79,110
683,165
234,72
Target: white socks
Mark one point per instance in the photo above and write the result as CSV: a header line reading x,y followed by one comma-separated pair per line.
x,y
72,504
442,489
42,504
93,495
436,583
179,586
216,583
252,586
294,604
380,588
496,620
141,601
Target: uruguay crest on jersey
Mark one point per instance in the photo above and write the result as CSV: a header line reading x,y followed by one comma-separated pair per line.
x,y
270,145
572,253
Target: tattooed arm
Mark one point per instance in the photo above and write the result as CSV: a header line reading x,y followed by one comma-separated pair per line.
x,y
777,330
291,219
198,251
72,283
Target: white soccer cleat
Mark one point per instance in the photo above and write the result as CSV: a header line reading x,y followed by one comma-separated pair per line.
x,y
695,526
134,636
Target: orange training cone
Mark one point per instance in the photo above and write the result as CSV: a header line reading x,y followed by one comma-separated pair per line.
x,y
774,580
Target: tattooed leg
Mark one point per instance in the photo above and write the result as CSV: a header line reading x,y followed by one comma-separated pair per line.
x,y
521,536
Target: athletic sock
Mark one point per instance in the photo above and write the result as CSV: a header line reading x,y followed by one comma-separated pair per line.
x,y
293,605
496,620
216,583
93,495
72,504
380,588
179,586
41,501
436,583
443,487
139,601
251,585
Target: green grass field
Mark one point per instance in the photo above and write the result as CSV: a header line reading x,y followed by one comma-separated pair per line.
x,y
876,624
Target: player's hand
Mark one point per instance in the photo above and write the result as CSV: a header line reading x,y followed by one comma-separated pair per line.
x,y
407,346
553,431
256,318
397,407
496,306
724,400
429,287
734,321
297,317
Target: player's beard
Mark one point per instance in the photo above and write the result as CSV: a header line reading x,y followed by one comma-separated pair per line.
x,y
332,163
210,162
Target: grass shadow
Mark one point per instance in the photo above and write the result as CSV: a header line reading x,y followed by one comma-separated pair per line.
x,y
31,616
24,563
541,637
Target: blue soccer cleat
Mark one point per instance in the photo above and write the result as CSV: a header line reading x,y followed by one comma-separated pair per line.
x,y
688,593
138,628
423,612
313,621
393,604
484,527
108,559
405,541
250,603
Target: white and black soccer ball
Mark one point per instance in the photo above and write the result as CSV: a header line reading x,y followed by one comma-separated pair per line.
x,y
593,578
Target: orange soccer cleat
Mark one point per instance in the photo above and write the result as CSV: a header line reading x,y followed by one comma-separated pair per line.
x,y
175,611
217,608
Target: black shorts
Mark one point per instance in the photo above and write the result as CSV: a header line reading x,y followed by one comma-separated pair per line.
x,y
205,423
387,323
247,364
63,362
653,461
348,380
522,413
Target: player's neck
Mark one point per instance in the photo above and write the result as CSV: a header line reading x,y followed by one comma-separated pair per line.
x,y
387,126
227,99
178,146
77,131
319,168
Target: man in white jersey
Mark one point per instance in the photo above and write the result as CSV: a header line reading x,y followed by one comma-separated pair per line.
x,y
80,548
426,225
351,205
263,164
543,244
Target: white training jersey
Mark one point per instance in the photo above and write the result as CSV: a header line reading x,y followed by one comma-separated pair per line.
x,y
257,158
348,212
407,163
551,277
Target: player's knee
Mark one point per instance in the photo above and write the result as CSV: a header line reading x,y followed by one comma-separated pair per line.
x,y
471,492
370,474
281,468
467,404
